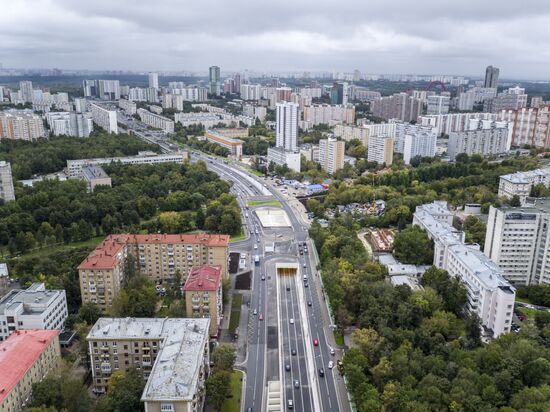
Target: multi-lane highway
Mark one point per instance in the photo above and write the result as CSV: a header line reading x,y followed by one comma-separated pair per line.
x,y
272,338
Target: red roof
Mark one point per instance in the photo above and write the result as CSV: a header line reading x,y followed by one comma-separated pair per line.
x,y
206,278
104,255
18,353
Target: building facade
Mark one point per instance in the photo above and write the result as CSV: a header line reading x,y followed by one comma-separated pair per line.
x,y
331,154
529,126
156,120
215,80
329,114
156,256
7,193
154,80
104,118
438,104
172,354
26,358
380,149
520,183
491,77
287,126
235,146
483,137
21,125
70,124
203,295
414,140
399,106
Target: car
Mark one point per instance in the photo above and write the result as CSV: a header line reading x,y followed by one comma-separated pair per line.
x,y
332,351
309,302
288,288
263,277
315,342
306,284
296,384
255,312
293,352
301,252
321,372
261,317
291,320
290,404
305,265
331,364
255,246
249,410
287,367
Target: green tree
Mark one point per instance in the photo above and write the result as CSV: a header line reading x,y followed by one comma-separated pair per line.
x,y
412,245
218,389
124,391
138,299
223,358
89,313
515,201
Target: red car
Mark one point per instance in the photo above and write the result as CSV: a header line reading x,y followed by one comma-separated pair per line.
x,y
315,342
261,317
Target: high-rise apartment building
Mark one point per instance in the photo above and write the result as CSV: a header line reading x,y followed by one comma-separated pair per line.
x,y
156,120
33,308
453,122
438,104
483,137
529,126
26,358
520,183
490,295
70,124
215,80
491,77
251,91
203,295
414,140
80,105
157,256
21,125
399,106
26,92
380,149
513,98
104,118
129,107
154,80
171,353
6,182
287,126
339,94
108,89
518,240
329,114
331,154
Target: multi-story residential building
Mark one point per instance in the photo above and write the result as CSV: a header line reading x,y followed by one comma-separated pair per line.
x,y
104,118
186,93
129,107
157,121
154,80
286,148
529,126
520,183
311,92
251,91
452,122
380,149
26,358
208,120
70,124
172,354
399,106
339,94
7,193
363,94
235,146
513,98
438,104
491,77
94,175
490,295
466,101
257,112
32,308
280,157
4,279
108,89
536,102
331,154
155,109
414,140
74,167
328,114
21,125
483,137
518,240
80,105
26,93
203,295
157,256
310,152
215,80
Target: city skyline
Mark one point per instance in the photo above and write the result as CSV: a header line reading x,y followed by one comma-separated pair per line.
x,y
408,38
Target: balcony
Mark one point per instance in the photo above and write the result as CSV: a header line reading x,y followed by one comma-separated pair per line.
x,y
146,362
104,348
106,368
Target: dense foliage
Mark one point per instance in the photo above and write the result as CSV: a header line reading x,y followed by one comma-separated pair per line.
x,y
413,246
51,155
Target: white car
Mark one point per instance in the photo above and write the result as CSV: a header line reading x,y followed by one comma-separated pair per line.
x,y
255,246
291,321
330,364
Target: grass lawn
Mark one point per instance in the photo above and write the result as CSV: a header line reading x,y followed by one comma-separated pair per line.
x,y
338,338
46,250
264,203
256,172
530,313
239,237
235,312
233,404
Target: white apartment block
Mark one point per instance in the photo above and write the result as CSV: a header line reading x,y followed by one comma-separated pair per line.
x,y
280,156
529,126
364,95
189,93
413,140
21,125
80,105
172,354
490,295
257,112
514,98
104,118
157,121
518,240
74,167
208,120
520,183
483,137
6,182
331,154
287,126
329,114
251,91
33,308
154,80
452,122
147,94
311,92
380,149
438,104
70,124
466,101
310,152
399,106
129,107
108,89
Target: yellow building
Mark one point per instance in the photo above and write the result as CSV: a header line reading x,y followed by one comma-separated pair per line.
x,y
157,256
26,357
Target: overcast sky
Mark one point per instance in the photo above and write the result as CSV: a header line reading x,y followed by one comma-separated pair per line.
x,y
374,36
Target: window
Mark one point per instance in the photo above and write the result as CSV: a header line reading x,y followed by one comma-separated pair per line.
x,y
166,407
